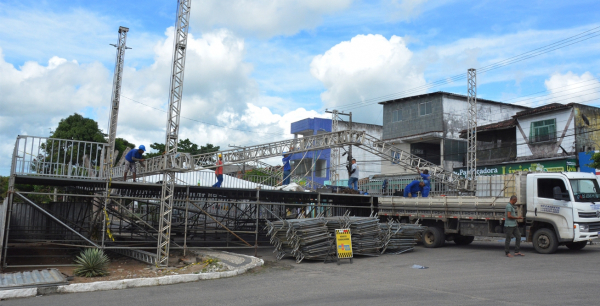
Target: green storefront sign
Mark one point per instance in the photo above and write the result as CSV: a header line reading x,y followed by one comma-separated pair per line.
x,y
564,165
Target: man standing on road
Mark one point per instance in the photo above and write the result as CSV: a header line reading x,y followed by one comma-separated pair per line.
x,y
353,175
219,172
131,158
512,229
287,169
414,188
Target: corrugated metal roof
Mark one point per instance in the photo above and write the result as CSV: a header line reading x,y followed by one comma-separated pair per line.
x,y
544,108
29,279
494,126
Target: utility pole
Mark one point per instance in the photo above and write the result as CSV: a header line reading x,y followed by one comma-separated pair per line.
x,y
116,95
168,187
471,183
335,118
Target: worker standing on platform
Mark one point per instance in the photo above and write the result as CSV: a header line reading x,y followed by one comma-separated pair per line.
x,y
353,176
219,172
414,188
287,169
427,180
131,158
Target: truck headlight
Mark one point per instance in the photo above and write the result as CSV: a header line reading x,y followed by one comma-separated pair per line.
x,y
584,228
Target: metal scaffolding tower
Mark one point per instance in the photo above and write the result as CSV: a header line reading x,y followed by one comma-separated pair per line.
x,y
334,161
116,94
172,137
471,184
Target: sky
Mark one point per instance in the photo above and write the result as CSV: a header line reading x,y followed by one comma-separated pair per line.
x,y
253,67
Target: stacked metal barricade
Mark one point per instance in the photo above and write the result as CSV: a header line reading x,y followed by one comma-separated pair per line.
x,y
301,238
398,238
365,233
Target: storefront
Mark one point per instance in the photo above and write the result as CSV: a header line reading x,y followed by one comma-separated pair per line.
x,y
557,165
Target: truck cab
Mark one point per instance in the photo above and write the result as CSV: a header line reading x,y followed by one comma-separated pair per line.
x,y
562,209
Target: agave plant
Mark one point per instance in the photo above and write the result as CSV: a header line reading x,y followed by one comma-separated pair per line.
x,y
91,263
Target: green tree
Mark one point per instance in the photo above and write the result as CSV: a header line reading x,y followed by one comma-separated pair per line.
x,y
184,146
122,145
66,149
259,176
595,161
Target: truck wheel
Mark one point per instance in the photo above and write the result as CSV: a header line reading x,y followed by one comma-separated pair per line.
x,y
576,246
433,237
463,240
544,241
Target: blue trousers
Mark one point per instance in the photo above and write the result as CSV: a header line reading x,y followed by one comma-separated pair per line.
x,y
219,181
353,181
286,177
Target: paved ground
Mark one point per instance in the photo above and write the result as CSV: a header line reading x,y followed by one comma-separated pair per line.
x,y
478,274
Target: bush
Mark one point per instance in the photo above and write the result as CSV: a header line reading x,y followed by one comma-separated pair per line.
x,y
91,263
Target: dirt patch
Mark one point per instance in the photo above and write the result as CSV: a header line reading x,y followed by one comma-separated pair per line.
x,y
121,267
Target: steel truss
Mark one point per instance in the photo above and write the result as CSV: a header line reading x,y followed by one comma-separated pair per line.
x,y
472,131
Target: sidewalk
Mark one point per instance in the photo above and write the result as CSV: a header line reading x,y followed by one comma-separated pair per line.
x,y
237,264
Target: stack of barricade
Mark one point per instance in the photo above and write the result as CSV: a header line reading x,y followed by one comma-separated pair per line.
x,y
398,238
365,233
301,238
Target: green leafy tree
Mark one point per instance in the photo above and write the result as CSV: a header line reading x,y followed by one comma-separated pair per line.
x,y
184,146
122,145
259,176
66,147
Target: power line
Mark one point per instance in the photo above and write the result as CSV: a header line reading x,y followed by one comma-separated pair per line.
x,y
583,36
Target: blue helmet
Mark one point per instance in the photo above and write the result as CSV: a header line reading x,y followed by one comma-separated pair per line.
x,y
142,148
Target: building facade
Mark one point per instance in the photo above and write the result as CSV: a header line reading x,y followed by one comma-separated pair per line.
x,y
430,125
302,163
554,137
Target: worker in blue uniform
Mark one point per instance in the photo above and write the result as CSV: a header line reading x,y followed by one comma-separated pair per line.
x,y
414,188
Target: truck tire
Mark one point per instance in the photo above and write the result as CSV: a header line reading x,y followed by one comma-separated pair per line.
x,y
544,241
433,237
463,240
576,246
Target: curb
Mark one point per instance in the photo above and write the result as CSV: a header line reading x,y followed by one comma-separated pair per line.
x,y
128,283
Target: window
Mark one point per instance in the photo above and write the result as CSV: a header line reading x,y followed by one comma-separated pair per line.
x,y
455,150
397,115
425,108
544,130
546,187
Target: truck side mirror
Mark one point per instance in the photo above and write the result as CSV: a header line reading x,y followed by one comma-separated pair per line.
x,y
557,192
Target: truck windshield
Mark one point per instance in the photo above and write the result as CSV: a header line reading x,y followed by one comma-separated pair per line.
x,y
585,190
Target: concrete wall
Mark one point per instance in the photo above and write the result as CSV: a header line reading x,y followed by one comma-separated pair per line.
x,y
455,114
412,123
587,122
527,150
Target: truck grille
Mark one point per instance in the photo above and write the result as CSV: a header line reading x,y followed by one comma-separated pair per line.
x,y
594,227
588,214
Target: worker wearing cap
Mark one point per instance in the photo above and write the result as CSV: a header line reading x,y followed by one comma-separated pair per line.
x,y
219,172
131,158
287,169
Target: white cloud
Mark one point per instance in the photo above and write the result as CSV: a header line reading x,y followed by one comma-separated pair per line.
x,y
365,67
572,88
263,18
218,90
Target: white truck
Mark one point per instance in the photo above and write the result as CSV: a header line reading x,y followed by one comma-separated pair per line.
x,y
561,208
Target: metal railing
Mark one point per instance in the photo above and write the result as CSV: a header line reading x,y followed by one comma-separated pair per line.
x,y
50,157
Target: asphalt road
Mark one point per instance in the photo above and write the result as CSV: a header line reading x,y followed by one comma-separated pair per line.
x,y
477,274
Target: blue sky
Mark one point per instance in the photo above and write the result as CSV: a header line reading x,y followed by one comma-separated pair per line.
x,y
259,65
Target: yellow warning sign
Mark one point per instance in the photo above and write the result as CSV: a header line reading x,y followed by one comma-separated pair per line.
x,y
344,243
